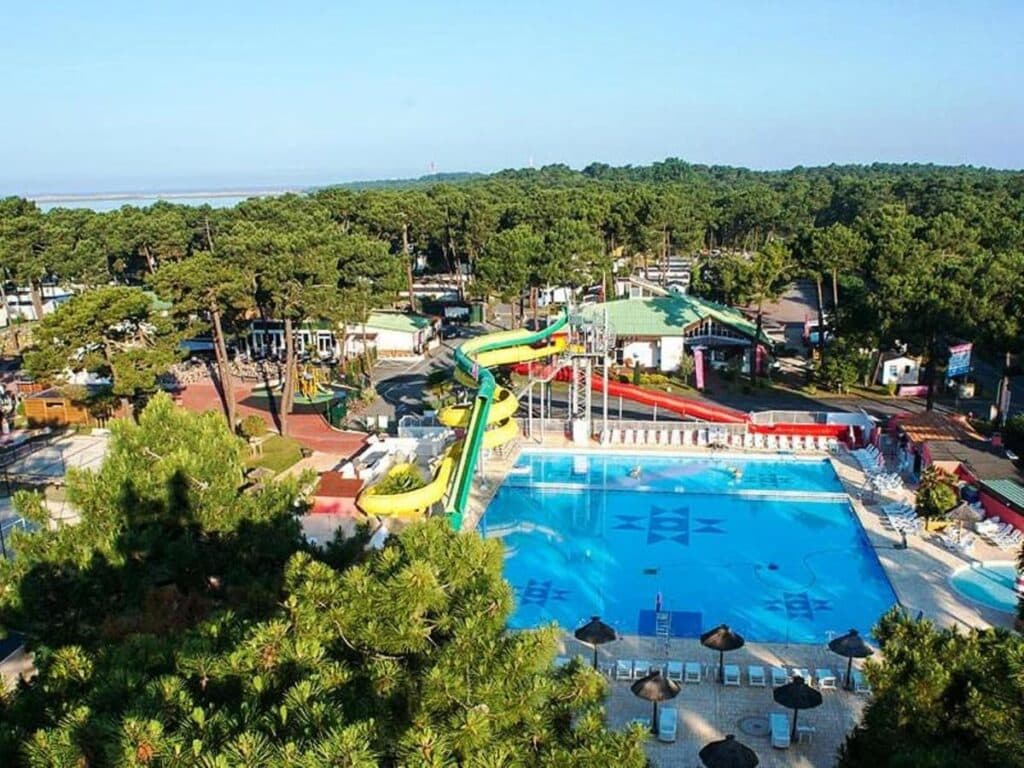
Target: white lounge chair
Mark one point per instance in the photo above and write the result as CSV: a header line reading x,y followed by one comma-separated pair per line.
x,y
687,437
616,436
779,677
805,732
702,438
674,671
692,673
663,437
731,674
748,440
755,676
826,679
860,684
668,719
675,437
642,668
780,730
624,669
627,437
603,438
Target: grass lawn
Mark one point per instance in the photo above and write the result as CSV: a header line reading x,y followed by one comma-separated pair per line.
x,y
279,453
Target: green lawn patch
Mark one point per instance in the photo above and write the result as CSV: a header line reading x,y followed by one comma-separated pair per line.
x,y
278,454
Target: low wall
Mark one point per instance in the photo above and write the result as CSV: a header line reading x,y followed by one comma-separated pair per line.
x,y
994,506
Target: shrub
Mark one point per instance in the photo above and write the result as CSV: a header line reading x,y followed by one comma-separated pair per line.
x,y
253,426
936,493
403,478
1013,434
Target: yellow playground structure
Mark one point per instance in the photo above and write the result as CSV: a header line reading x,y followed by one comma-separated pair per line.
x,y
487,420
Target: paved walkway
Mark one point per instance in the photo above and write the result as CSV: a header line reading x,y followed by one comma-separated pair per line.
x,y
310,429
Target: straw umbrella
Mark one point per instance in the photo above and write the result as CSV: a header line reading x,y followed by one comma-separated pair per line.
x,y
655,687
796,695
728,753
722,639
851,646
595,632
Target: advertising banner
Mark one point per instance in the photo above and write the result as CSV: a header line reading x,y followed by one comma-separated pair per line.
x,y
959,360
698,366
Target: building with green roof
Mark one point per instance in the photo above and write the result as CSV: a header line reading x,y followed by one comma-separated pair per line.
x,y
392,334
653,332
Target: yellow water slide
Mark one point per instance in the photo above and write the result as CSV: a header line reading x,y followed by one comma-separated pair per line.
x,y
501,427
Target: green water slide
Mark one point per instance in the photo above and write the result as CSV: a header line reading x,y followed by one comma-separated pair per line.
x,y
472,359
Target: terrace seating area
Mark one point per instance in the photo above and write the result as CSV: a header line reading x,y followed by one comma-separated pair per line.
x,y
705,709
713,437
1000,534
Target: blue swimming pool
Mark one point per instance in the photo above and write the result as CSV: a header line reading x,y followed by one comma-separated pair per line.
x,y
769,546
992,584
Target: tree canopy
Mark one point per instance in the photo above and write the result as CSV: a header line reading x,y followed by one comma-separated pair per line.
x,y
182,622
941,697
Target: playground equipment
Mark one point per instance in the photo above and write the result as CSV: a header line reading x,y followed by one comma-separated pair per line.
x,y
488,421
313,382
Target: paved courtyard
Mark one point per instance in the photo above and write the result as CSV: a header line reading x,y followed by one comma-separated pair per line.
x,y
709,711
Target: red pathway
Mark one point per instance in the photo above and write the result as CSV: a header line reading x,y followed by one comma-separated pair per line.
x,y
310,429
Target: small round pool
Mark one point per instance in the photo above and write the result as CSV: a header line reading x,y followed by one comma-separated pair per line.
x,y
990,584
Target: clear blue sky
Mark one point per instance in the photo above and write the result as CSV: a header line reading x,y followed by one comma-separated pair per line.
x,y
114,95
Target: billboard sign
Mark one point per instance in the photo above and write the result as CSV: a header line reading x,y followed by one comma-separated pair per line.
x,y
959,360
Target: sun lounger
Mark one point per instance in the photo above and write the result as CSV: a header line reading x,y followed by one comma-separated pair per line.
x,y
826,679
759,441
668,719
674,671
624,669
641,668
702,437
627,437
663,437
748,440
755,676
805,732
732,674
614,437
692,672
860,684
779,677
675,437
780,730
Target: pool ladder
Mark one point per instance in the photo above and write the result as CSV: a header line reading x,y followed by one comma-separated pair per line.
x,y
663,628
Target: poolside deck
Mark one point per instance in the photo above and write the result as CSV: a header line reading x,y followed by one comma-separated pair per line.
x,y
709,711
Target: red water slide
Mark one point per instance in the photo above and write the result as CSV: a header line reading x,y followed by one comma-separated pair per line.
x,y
683,406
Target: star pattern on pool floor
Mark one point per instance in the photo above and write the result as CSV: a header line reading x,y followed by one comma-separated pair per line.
x,y
668,524
539,592
798,605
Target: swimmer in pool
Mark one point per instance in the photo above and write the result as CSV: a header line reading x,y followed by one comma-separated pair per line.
x,y
737,473
636,471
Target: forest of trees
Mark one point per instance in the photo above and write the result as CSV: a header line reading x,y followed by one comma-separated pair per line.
x,y
923,255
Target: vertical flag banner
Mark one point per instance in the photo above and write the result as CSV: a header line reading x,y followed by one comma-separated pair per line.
x,y
698,366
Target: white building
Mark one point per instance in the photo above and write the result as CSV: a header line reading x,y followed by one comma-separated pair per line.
x,y
898,368
391,334
19,302
654,332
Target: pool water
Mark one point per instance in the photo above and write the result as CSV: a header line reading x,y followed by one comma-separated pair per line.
x,y
769,546
990,584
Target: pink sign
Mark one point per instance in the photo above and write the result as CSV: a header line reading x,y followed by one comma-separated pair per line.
x,y
698,366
